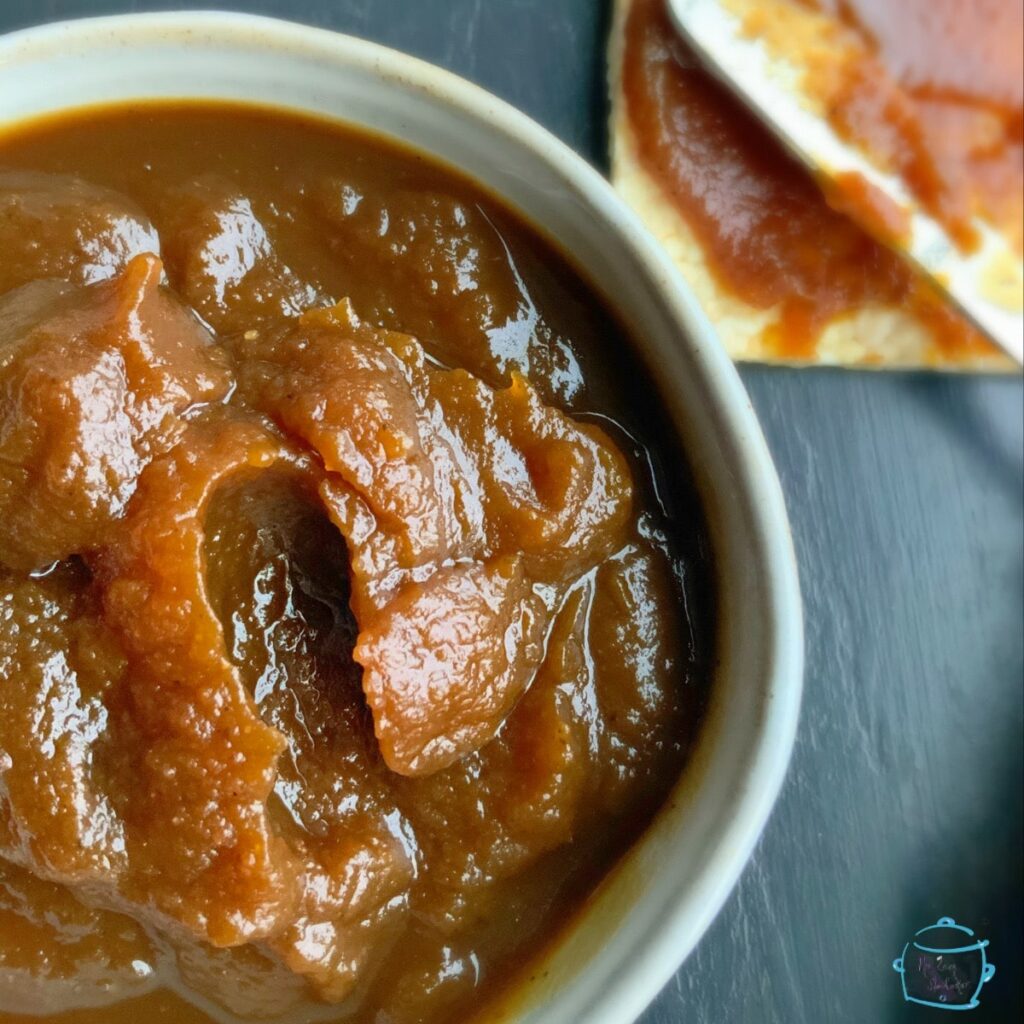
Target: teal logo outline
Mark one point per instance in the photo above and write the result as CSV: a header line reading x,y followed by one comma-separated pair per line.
x,y
987,969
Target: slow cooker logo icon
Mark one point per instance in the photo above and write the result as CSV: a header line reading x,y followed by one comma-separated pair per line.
x,y
944,966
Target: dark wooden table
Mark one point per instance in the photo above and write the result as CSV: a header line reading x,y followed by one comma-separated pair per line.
x,y
904,799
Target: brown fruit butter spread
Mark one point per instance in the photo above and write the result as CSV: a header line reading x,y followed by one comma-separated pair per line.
x,y
355,606
769,234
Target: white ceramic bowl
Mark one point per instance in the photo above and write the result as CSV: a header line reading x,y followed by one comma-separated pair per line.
x,y
647,916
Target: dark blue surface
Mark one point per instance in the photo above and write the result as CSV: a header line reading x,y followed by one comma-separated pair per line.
x,y
904,801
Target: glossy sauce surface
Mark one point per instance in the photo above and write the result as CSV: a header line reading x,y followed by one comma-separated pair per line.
x,y
350,624
766,230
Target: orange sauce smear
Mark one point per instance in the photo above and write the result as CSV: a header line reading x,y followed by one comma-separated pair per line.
x,y
881,216
934,91
765,228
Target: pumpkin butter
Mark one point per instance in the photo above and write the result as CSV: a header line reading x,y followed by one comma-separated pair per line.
x,y
931,89
355,612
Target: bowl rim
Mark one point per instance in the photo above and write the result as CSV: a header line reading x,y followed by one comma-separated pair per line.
x,y
682,922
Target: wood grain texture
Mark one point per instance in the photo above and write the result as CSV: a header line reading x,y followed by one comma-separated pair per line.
x,y
904,800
